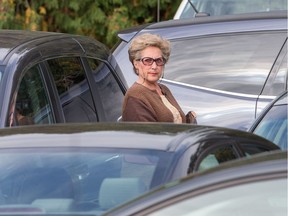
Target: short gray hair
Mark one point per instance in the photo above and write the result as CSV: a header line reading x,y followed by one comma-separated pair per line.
x,y
143,41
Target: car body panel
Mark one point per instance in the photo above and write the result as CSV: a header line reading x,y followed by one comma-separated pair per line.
x,y
235,108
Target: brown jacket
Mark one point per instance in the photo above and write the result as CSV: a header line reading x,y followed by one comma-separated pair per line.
x,y
145,105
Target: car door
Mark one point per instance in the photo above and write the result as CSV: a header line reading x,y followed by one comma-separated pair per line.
x,y
226,70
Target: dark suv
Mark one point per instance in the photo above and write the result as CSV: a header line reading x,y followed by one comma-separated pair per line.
x,y
48,78
226,68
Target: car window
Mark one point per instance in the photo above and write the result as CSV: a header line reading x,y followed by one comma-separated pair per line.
x,y
108,88
277,82
225,7
32,103
265,198
234,63
273,126
84,178
216,156
73,89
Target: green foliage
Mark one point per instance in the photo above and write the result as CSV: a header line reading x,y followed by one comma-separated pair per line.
x,y
100,19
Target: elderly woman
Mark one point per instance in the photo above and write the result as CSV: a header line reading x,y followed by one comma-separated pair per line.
x,y
147,100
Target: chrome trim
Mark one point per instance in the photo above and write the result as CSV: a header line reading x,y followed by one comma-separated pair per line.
x,y
220,91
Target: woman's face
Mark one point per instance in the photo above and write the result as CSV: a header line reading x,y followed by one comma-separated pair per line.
x,y
150,66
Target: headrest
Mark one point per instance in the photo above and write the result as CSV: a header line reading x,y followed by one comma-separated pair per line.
x,y
115,191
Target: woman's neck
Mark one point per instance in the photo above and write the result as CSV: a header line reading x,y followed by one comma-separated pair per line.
x,y
152,86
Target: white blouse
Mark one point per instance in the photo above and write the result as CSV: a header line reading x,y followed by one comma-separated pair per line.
x,y
176,114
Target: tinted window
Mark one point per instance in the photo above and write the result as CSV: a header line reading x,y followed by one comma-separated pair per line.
x,y
235,63
73,89
108,88
216,156
274,126
32,103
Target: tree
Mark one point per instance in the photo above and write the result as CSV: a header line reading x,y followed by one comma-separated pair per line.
x,y
100,19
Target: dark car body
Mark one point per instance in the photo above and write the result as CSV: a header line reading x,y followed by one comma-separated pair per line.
x,y
246,187
272,124
57,78
225,68
91,168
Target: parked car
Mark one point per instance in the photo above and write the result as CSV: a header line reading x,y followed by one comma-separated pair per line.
x,y
194,8
226,69
48,78
246,187
91,168
272,124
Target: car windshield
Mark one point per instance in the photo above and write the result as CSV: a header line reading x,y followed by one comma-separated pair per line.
x,y
226,7
75,179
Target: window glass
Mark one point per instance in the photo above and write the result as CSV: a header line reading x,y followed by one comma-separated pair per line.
x,y
108,88
73,89
278,83
32,103
87,176
225,7
235,63
274,126
217,156
264,198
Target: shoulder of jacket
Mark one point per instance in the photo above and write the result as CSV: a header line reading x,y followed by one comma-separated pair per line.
x,y
165,89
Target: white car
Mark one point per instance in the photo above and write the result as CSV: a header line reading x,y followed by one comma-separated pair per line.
x,y
194,8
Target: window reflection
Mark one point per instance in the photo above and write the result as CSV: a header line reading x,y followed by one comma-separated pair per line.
x,y
235,63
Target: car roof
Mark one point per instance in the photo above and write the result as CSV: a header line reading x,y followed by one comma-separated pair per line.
x,y
268,163
13,41
158,136
275,20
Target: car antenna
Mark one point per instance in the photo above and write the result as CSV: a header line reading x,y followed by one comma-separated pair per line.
x,y
198,14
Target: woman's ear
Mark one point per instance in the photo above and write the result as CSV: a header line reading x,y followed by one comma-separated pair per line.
x,y
136,64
